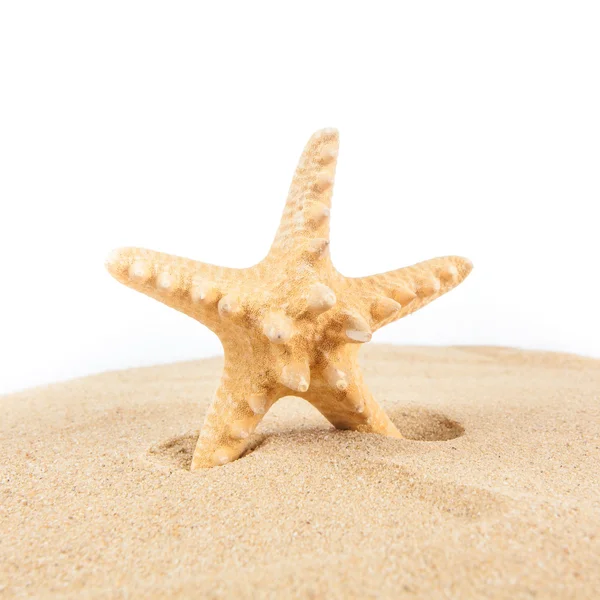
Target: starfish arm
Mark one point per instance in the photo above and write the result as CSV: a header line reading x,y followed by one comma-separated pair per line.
x,y
238,406
189,286
343,398
306,213
389,296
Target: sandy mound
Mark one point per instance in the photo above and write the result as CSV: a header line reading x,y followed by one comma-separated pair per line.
x,y
494,493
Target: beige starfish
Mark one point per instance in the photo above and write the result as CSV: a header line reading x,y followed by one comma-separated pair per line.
x,y
291,324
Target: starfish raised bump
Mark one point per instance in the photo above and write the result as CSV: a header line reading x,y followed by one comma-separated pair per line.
x,y
291,324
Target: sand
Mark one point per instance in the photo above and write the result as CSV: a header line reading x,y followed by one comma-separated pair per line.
x,y
495,493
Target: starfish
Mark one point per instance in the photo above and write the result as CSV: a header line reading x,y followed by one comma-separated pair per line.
x,y
291,324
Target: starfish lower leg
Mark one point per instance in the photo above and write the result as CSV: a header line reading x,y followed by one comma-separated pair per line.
x,y
230,420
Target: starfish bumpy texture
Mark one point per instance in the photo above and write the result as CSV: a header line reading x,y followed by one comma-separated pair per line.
x,y
291,324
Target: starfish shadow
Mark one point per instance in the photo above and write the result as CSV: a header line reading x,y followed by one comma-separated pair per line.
x,y
425,425
416,424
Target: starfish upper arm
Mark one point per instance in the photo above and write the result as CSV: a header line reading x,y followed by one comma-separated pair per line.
x,y
189,286
395,294
306,213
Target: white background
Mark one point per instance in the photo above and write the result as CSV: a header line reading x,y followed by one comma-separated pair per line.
x,y
468,128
